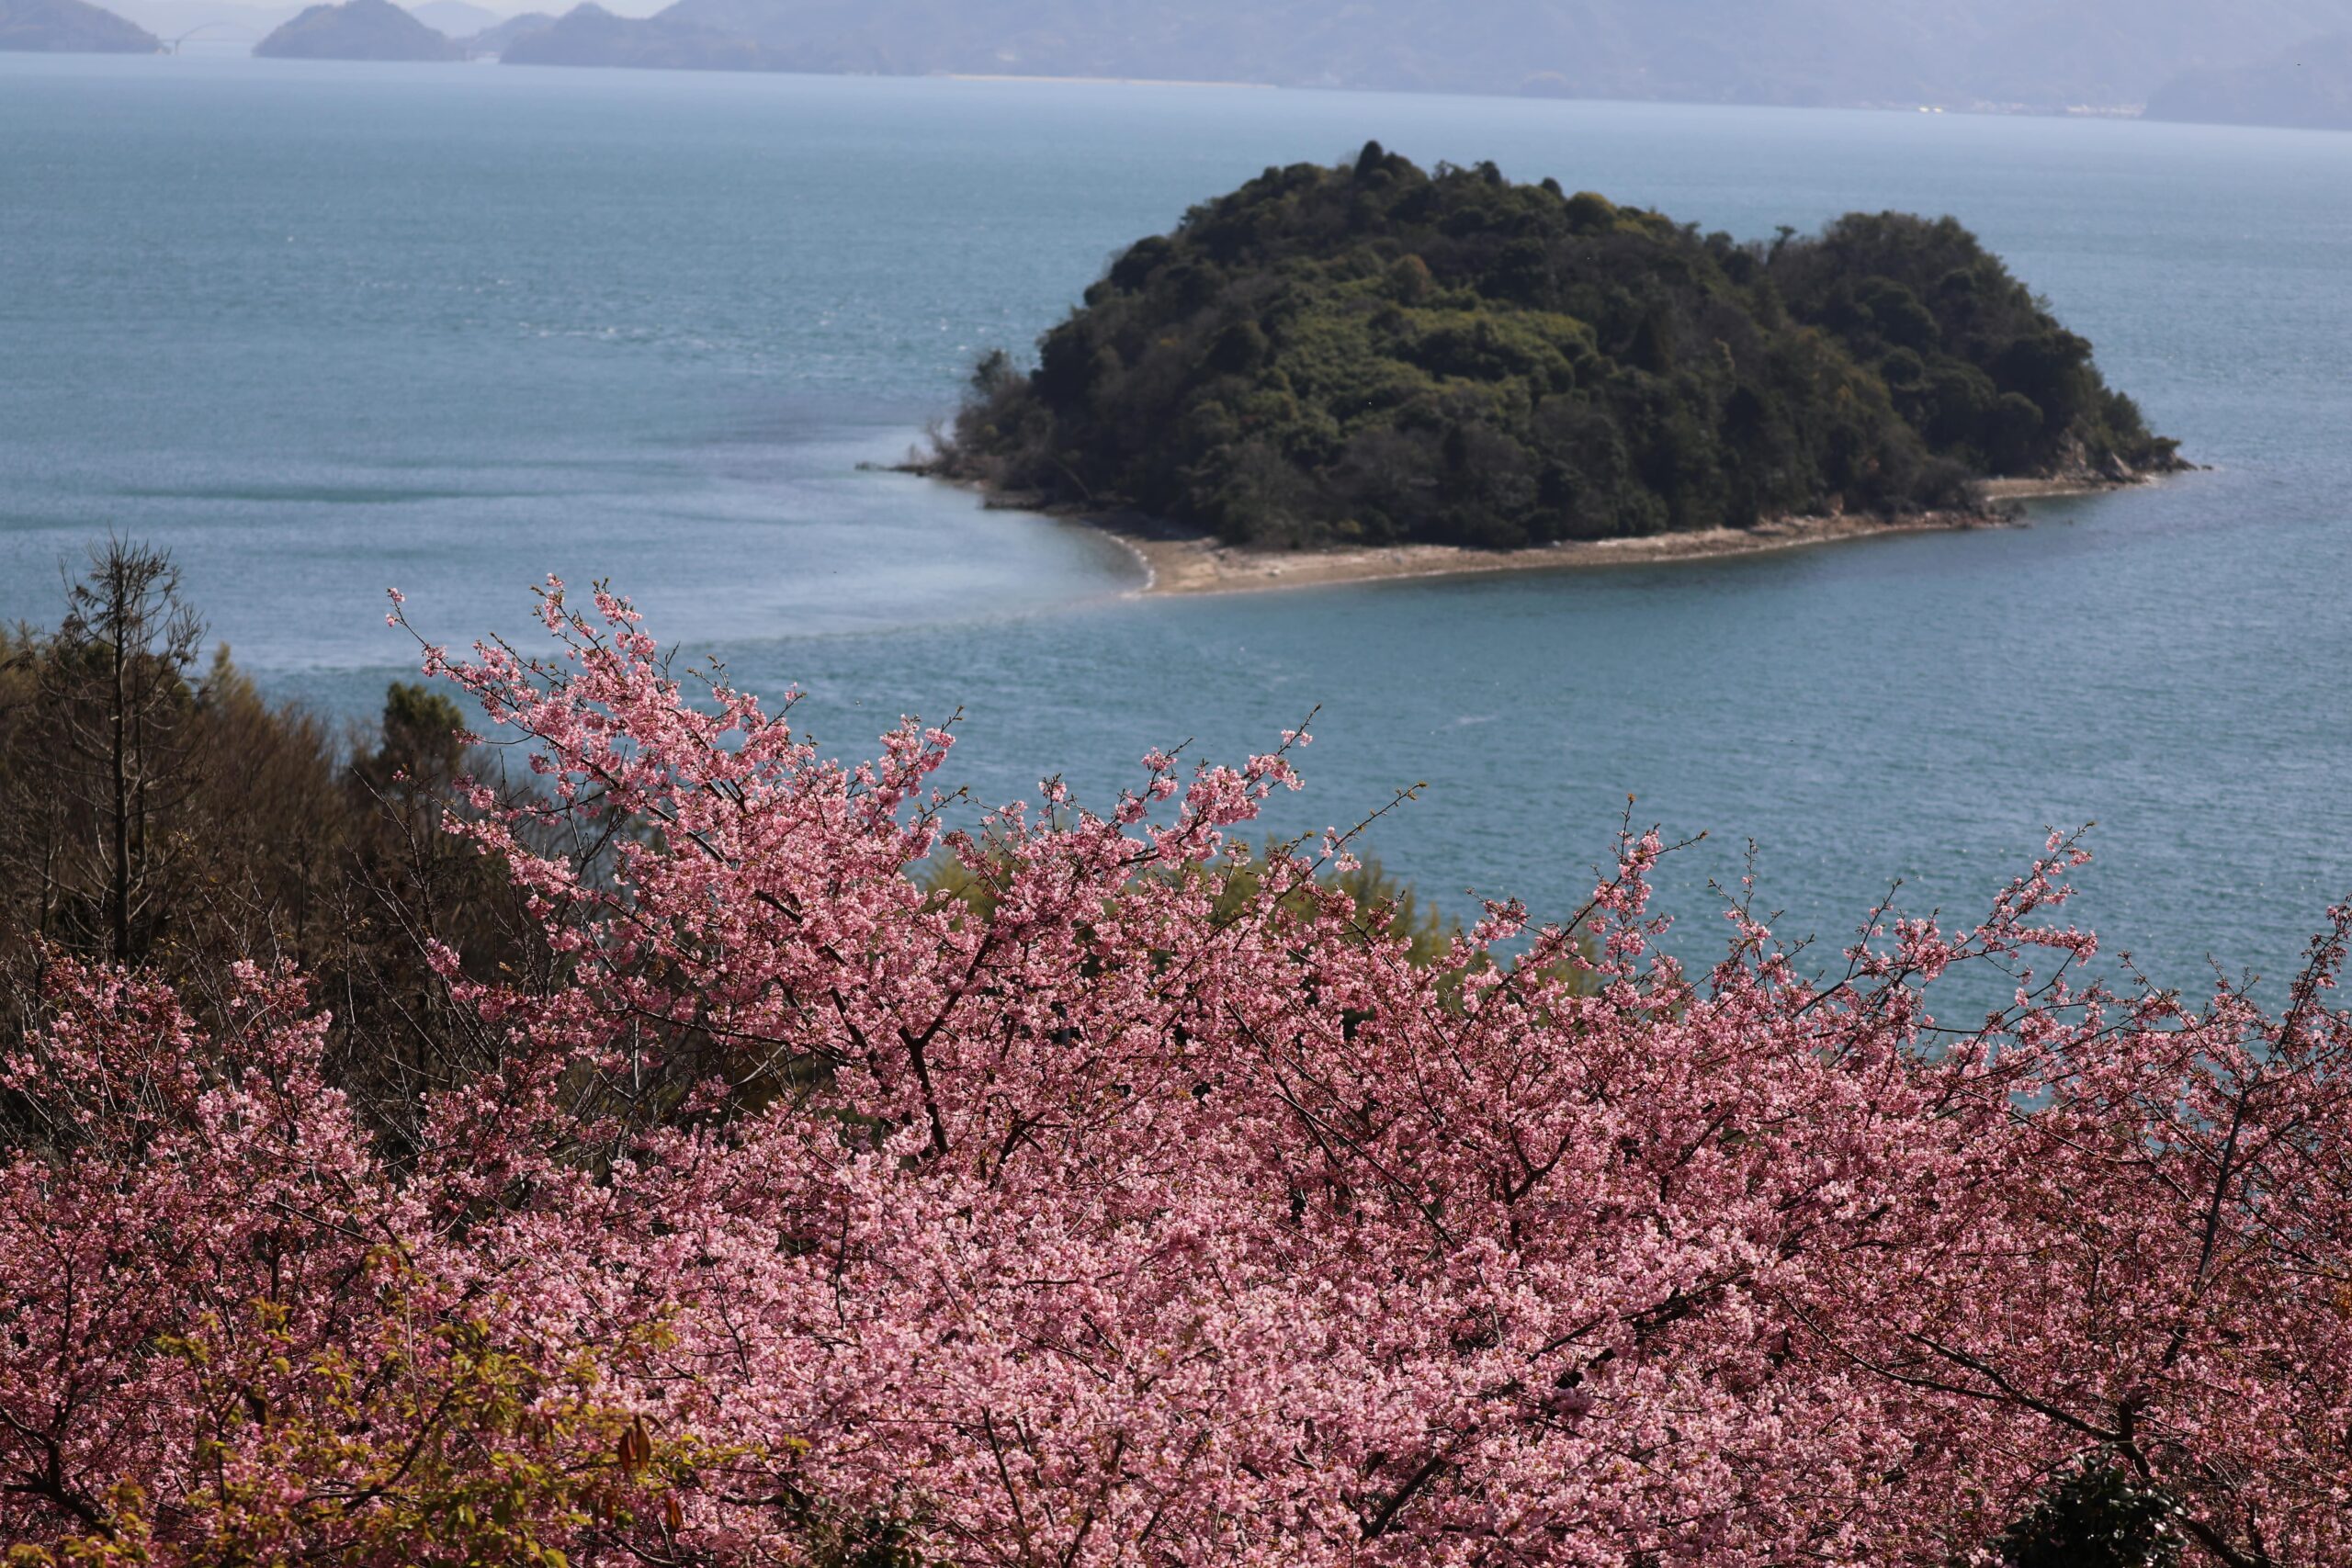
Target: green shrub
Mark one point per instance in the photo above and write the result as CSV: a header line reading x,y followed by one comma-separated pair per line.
x,y
2099,1517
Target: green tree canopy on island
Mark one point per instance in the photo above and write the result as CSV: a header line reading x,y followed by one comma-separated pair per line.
x,y
1376,352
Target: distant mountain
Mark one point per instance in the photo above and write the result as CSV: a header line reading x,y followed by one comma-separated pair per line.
x,y
70,27
455,18
498,38
357,29
590,35
2017,54
2310,88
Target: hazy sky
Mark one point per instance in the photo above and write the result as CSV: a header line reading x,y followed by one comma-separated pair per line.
x,y
160,16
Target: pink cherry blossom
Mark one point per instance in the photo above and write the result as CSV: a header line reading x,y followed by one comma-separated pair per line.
x,y
1114,1220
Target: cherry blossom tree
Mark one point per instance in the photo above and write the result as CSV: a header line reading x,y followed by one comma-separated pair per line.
x,y
1125,1209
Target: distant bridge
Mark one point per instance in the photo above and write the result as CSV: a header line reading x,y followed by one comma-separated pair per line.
x,y
173,45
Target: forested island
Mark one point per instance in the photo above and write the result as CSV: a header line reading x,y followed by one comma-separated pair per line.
x,y
1375,354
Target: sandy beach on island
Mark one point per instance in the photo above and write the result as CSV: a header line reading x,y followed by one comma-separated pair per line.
x,y
1178,563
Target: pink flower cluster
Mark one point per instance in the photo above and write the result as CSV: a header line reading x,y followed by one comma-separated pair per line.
x,y
1127,1221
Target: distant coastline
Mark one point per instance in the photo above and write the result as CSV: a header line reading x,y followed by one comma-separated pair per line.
x,y
1099,81
1981,56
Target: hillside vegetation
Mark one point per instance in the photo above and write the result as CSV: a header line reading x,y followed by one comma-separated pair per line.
x,y
1377,354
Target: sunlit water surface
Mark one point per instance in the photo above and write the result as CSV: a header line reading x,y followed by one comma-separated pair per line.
x,y
326,328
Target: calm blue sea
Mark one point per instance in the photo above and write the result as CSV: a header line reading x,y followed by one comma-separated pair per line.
x,y
326,328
